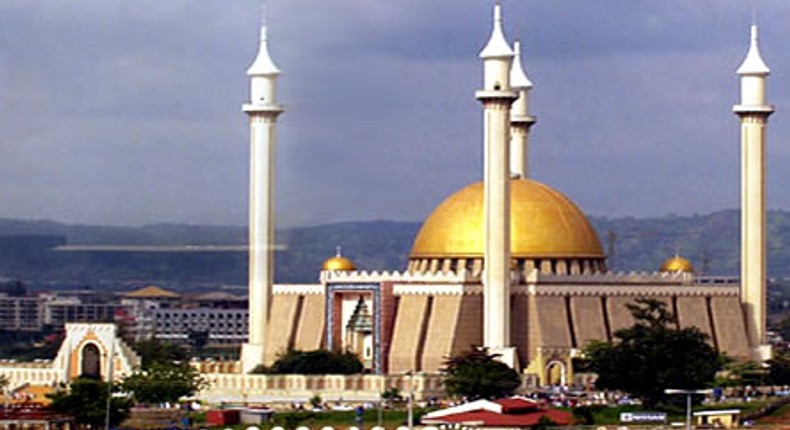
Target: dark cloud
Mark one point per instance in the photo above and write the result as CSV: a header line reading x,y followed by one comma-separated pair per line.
x,y
129,112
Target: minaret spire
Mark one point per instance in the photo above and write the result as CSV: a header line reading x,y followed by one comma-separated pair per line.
x,y
497,56
753,112
263,73
754,64
520,119
262,111
497,97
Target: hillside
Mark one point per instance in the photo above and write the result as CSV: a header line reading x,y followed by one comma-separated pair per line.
x,y
710,241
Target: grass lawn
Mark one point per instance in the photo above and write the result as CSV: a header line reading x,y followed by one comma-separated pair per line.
x,y
601,415
591,415
339,419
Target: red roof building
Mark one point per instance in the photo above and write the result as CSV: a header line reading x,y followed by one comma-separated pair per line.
x,y
513,412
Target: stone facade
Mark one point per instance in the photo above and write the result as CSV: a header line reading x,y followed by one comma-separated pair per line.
x,y
432,316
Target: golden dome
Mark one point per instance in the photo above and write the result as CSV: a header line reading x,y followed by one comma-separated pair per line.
x,y
338,263
544,224
677,264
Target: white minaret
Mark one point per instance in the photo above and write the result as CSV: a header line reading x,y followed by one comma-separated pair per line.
x,y
753,112
263,111
520,119
497,97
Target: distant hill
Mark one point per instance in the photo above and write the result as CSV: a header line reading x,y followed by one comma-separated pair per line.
x,y
26,253
710,241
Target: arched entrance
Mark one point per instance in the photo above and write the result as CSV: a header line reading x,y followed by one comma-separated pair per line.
x,y
556,373
91,361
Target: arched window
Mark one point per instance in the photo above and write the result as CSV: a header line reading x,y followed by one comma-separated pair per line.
x,y
91,361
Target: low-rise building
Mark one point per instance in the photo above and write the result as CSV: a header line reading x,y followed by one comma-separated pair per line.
x,y
219,326
20,313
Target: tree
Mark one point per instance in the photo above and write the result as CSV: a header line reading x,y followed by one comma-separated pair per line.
x,y
737,373
85,399
154,351
779,370
163,382
392,396
476,374
198,339
14,288
317,362
784,328
654,354
3,383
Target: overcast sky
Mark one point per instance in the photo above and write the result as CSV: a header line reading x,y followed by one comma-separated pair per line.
x,y
129,112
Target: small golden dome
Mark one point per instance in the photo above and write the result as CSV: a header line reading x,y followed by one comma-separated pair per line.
x,y
338,263
544,224
677,264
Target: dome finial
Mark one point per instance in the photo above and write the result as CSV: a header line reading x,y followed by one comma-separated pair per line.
x,y
677,264
338,262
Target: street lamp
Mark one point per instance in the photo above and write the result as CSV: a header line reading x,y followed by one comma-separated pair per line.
x,y
110,378
410,411
688,394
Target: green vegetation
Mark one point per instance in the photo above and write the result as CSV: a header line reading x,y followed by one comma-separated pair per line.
x,y
602,414
779,370
342,419
392,396
476,374
587,415
160,382
653,355
86,400
29,346
739,373
154,351
610,415
779,415
744,373
13,287
165,376
317,362
783,327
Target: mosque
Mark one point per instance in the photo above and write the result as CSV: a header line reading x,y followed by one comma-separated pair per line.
x,y
508,263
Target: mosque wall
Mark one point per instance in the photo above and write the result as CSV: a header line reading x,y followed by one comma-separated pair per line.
x,y
455,326
243,388
619,315
519,326
283,315
533,334
408,333
423,323
310,326
388,311
693,312
552,322
469,331
730,326
440,336
588,320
